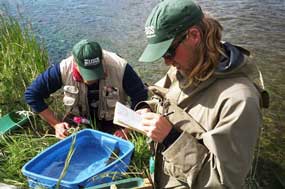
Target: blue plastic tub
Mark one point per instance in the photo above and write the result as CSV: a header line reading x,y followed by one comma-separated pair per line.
x,y
92,163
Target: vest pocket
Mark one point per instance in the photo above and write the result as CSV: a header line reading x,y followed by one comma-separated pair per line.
x,y
70,95
111,103
68,101
184,158
111,96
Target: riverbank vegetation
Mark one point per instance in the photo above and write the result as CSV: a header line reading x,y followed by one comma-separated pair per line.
x,y
23,57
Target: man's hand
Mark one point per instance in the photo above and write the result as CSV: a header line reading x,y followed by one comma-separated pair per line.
x,y
143,111
61,130
155,125
60,127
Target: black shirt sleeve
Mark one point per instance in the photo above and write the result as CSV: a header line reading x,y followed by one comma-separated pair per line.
x,y
134,86
45,84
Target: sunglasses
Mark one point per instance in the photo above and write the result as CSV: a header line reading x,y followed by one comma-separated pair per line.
x,y
171,51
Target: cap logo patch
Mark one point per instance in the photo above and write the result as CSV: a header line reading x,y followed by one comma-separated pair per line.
x,y
91,62
149,31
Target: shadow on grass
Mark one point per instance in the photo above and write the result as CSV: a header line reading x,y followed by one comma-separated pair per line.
x,y
270,175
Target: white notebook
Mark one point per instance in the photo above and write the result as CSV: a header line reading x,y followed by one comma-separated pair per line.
x,y
127,118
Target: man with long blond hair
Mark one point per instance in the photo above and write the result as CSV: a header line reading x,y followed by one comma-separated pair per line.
x,y
205,114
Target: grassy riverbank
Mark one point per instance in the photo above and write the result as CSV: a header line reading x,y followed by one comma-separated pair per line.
x,y
22,57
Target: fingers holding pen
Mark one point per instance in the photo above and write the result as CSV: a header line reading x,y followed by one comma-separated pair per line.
x,y
156,126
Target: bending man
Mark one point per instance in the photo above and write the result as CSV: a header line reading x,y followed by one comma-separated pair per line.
x,y
92,80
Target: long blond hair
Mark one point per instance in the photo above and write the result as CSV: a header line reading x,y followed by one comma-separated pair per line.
x,y
209,50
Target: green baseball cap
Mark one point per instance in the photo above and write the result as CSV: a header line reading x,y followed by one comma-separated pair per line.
x,y
167,20
88,57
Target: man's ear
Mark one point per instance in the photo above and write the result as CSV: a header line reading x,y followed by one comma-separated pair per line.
x,y
193,35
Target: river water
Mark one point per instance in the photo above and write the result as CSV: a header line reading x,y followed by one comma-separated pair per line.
x,y
258,25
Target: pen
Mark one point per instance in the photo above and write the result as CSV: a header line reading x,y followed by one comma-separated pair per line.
x,y
167,114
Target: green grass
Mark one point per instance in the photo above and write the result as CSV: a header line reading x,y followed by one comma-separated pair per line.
x,y
21,59
15,151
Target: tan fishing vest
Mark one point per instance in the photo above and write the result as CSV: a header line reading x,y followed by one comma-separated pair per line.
x,y
75,93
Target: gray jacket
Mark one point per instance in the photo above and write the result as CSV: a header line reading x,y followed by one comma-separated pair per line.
x,y
219,121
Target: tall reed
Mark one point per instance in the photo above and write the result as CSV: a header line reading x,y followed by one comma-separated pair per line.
x,y
67,160
21,59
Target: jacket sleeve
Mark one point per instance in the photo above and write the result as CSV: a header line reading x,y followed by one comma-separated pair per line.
x,y
232,141
223,156
133,86
41,88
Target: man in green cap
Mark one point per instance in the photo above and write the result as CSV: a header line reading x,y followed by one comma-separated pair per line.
x,y
93,80
205,114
